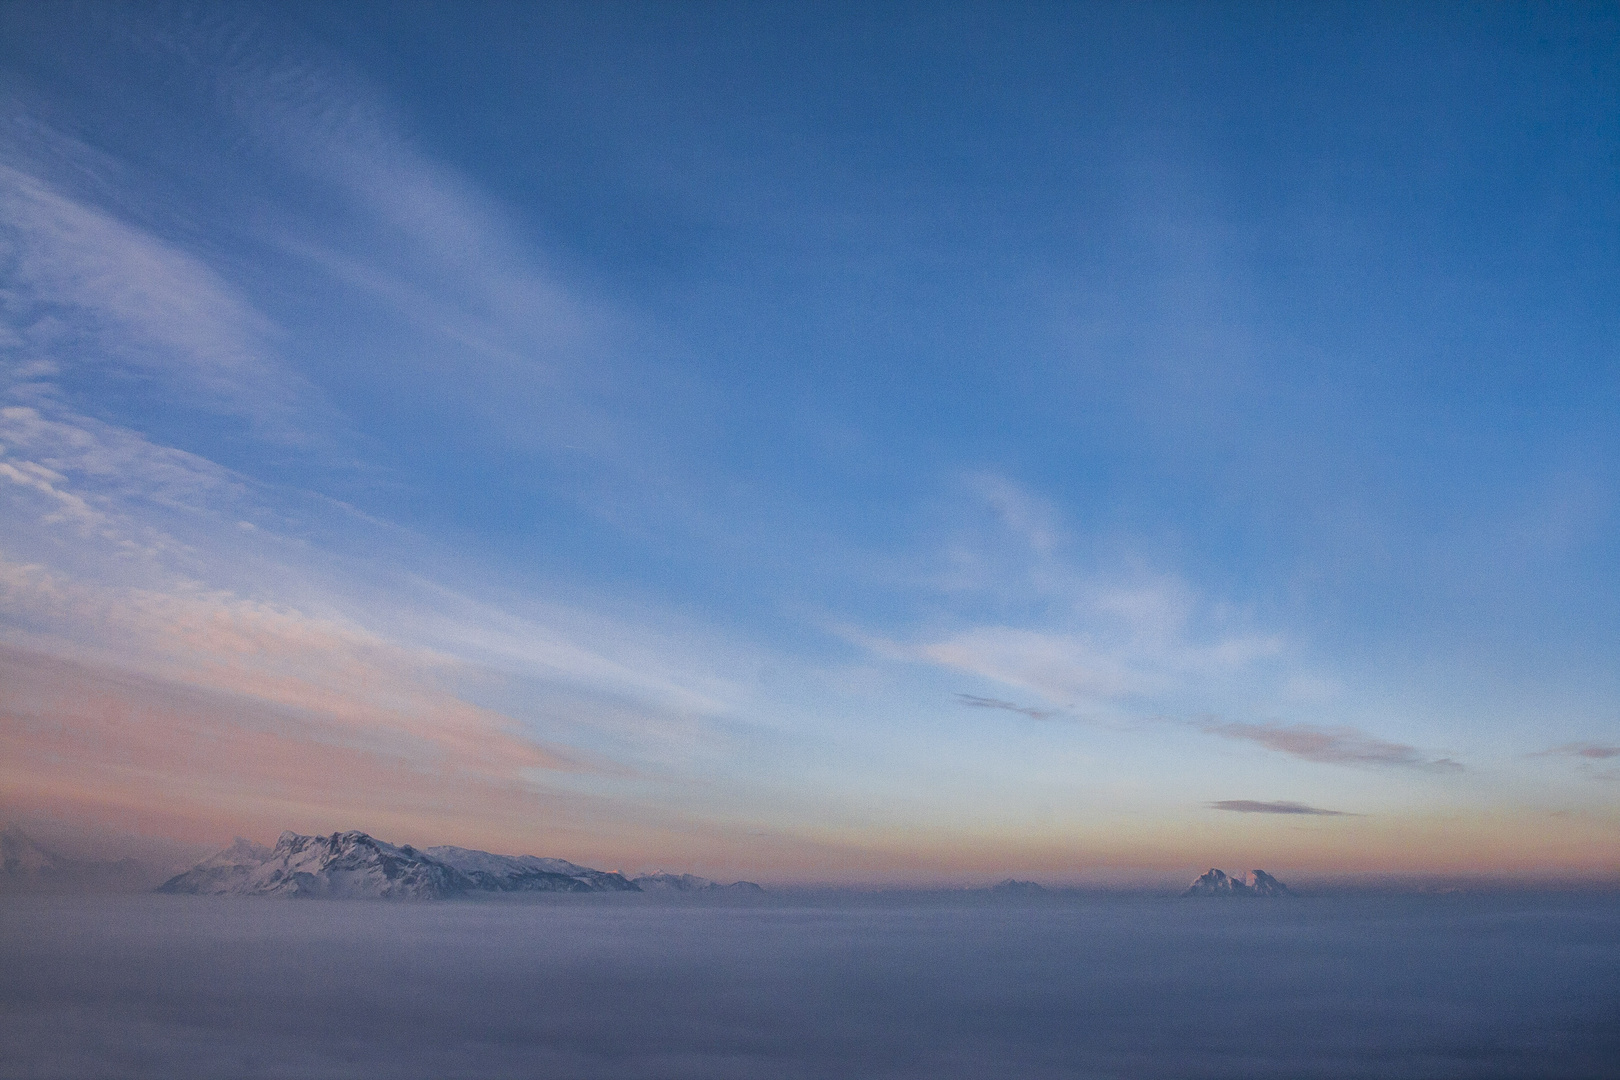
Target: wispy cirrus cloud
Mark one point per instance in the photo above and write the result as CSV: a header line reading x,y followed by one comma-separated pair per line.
x,y
196,757
977,702
97,296
366,690
268,649
1252,806
1338,745
1129,640
1092,665
118,550
1586,755
107,484
1090,635
538,358
119,554
91,294
1585,750
114,541
1056,666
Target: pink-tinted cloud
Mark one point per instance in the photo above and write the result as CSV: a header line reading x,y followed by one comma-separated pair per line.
x,y
368,692
1586,750
1332,745
85,741
1283,806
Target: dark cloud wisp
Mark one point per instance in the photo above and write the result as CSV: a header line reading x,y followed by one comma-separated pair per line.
x,y
978,702
1252,806
1331,745
1589,751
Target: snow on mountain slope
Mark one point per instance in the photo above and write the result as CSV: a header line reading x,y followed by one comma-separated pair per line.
x,y
1217,883
528,873
220,874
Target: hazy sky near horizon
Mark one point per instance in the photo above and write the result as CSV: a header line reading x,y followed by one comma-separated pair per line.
x,y
858,443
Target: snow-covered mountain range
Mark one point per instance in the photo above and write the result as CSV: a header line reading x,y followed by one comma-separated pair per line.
x,y
356,865
1217,883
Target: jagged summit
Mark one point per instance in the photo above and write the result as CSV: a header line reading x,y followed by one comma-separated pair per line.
x,y
1217,883
356,865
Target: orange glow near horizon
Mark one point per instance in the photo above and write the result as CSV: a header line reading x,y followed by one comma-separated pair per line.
x,y
115,751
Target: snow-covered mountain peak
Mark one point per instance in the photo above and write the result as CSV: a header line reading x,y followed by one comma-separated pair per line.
x,y
1218,883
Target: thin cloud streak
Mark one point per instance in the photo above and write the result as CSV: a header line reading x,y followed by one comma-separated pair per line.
x,y
1252,806
103,501
1340,745
1589,751
367,691
89,738
977,702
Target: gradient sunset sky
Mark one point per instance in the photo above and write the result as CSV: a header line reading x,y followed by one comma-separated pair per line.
x,y
894,443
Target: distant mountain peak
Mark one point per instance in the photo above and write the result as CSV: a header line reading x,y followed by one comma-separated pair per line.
x,y
1218,883
20,856
25,866
686,883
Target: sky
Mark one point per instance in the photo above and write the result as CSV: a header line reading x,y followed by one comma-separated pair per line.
x,y
890,444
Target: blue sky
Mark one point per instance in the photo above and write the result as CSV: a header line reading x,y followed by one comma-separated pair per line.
x,y
895,443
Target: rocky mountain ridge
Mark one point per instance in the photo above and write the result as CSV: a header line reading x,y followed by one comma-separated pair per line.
x,y
356,865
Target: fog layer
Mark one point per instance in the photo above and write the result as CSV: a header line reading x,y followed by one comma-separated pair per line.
x,y
931,987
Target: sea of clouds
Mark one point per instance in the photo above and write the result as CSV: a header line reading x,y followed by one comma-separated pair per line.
x,y
812,985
